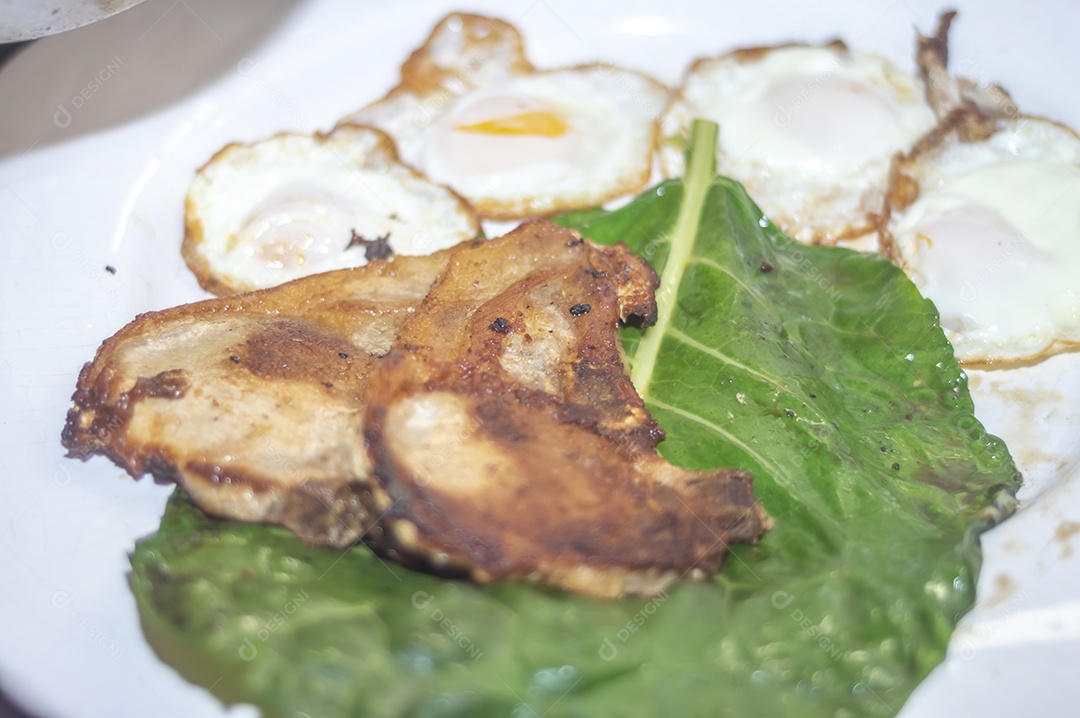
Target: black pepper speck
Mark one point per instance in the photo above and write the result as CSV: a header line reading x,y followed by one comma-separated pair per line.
x,y
579,309
500,325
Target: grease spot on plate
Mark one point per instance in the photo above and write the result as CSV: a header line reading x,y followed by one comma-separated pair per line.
x,y
1065,531
1003,588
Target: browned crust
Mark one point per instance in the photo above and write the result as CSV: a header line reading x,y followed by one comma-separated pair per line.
x,y
968,124
965,125
960,118
932,57
194,236
581,499
643,526
321,512
871,221
949,95
318,289
756,52
635,283
298,334
297,344
195,259
422,74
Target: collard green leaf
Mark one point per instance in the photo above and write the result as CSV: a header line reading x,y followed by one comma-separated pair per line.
x,y
821,370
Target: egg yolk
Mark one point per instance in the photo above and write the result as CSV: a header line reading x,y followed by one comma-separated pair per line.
x,y
502,142
540,123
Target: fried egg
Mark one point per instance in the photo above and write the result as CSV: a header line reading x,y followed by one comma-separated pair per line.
x,y
292,205
990,231
809,131
471,112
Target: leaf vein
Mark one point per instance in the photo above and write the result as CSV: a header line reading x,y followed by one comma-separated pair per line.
x,y
727,436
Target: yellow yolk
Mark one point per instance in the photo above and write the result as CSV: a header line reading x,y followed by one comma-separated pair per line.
x,y
540,123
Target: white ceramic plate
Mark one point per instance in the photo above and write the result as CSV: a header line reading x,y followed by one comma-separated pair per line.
x,y
100,133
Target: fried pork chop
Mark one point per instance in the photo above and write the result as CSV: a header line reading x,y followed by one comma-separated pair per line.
x,y
507,438
254,402
469,411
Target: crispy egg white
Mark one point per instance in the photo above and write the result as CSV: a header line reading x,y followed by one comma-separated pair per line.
x,y
809,131
261,214
993,238
471,112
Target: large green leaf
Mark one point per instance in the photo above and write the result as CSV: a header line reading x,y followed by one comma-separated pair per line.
x,y
821,370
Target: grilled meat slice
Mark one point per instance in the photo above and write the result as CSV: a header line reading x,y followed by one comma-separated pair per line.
x,y
503,435
508,441
254,403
